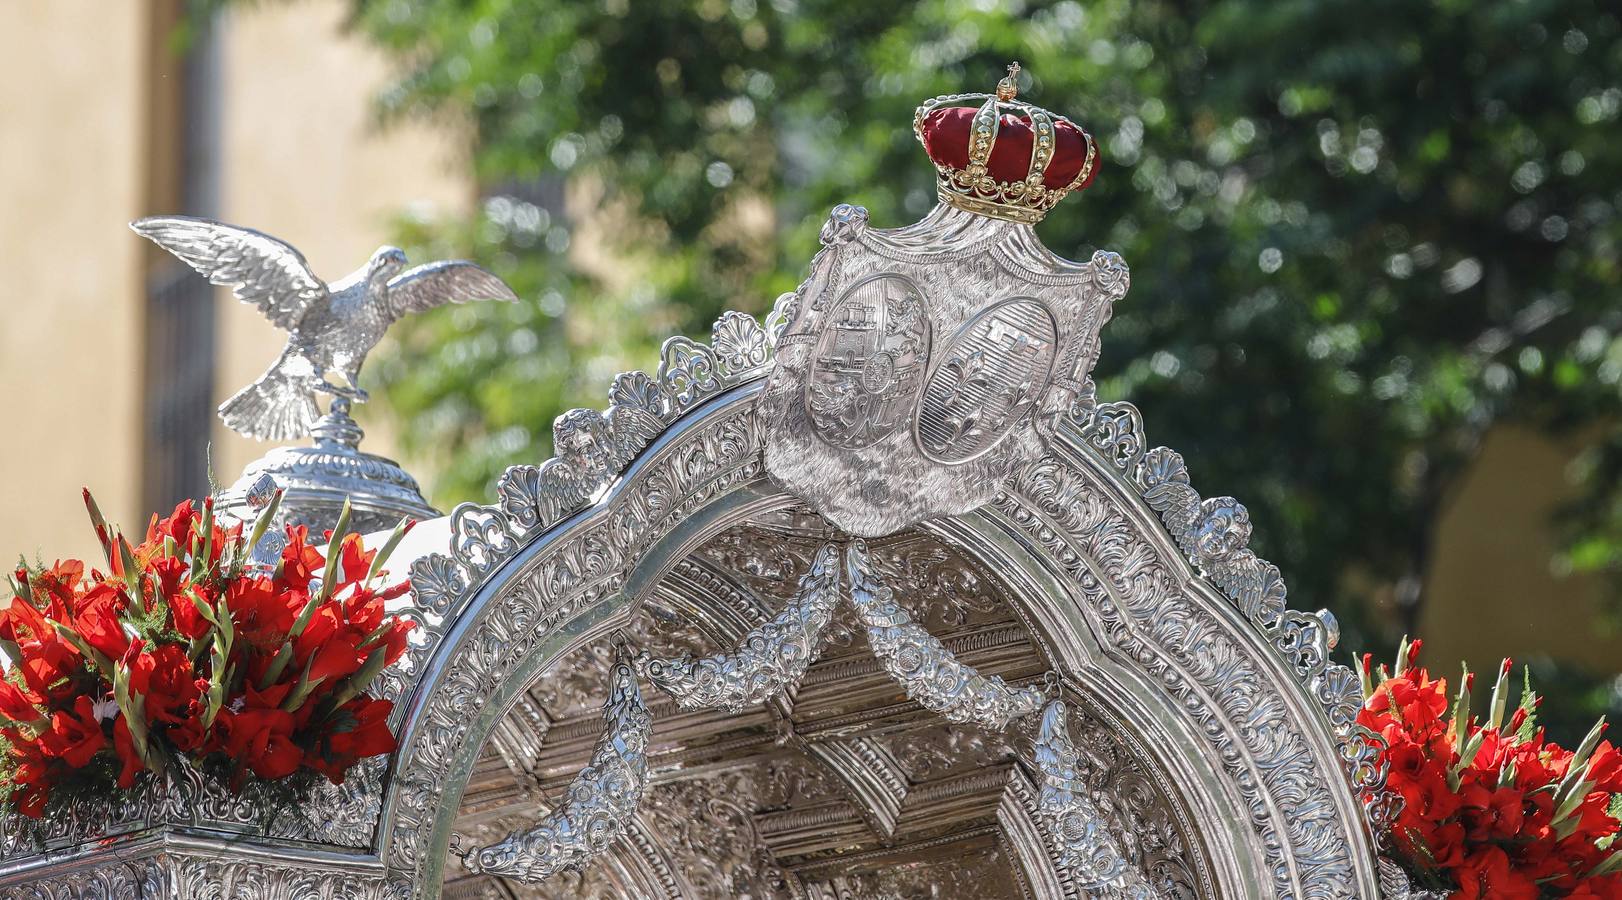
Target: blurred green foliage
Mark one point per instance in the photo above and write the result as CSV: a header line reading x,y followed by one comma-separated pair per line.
x,y
1361,233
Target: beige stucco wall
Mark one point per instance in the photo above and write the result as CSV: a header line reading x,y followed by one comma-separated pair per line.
x,y
1490,592
71,107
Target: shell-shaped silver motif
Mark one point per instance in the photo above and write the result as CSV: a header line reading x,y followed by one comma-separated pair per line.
x,y
921,664
1081,840
600,801
771,657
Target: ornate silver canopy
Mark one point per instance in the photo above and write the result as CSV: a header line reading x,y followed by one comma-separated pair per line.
x,y
1052,670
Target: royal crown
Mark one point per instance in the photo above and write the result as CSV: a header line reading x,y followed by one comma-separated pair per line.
x,y
1005,159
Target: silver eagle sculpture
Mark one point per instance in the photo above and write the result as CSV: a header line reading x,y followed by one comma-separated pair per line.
x,y
331,326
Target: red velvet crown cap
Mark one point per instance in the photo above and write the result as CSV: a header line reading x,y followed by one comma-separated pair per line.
x,y
946,140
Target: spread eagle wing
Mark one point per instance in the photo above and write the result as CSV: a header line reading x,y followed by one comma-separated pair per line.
x,y
438,283
260,270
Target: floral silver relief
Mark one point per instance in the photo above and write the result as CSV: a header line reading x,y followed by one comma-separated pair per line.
x,y
921,664
1085,850
768,659
579,569
1394,884
203,875
1215,533
599,804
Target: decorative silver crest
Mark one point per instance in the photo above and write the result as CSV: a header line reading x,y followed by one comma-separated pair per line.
x,y
600,802
922,365
770,658
921,664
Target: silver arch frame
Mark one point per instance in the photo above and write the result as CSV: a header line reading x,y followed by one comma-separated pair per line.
x,y
1108,526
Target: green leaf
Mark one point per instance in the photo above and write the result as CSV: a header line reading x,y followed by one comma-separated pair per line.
x,y
329,577
388,547
267,516
90,653
357,683
1500,698
277,665
302,690
1529,703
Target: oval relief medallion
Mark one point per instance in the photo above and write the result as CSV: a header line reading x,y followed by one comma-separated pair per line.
x,y
868,362
987,380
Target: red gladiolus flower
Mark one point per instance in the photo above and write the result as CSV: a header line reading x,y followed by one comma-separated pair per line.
x,y
178,525
98,620
397,639
59,581
75,736
1605,768
179,669
186,617
361,730
338,658
21,621
321,627
170,574
262,740
354,561
33,775
48,666
1487,807
163,676
301,563
262,614
17,705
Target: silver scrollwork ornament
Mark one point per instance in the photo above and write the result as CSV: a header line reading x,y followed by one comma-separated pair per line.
x,y
599,804
931,674
1083,845
767,660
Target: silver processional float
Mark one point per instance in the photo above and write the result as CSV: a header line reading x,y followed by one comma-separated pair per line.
x,y
1123,702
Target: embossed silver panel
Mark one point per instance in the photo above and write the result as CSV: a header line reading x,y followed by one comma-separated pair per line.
x,y
869,362
986,381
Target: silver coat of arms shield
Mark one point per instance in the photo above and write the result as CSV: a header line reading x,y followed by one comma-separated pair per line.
x,y
920,366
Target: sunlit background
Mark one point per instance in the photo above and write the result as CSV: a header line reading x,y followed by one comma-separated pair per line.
x,y
1376,288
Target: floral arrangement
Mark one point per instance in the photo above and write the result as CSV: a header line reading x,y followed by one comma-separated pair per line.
x,y
187,650
1492,809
